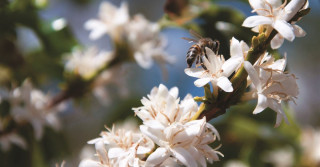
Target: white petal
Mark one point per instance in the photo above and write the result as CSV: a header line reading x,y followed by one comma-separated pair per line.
x,y
244,46
194,72
154,135
184,157
202,81
213,129
253,21
225,84
174,92
262,104
298,31
235,48
89,163
275,3
285,29
101,151
115,152
194,128
16,139
231,65
38,128
277,41
252,74
279,65
258,4
157,157
122,15
145,61
196,154
275,106
163,91
94,141
97,28
154,124
292,8
211,56
278,120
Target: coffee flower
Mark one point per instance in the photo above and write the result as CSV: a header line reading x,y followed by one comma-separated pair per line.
x,y
218,71
142,36
238,51
111,21
9,138
120,147
148,45
30,105
162,105
169,125
272,86
87,63
273,14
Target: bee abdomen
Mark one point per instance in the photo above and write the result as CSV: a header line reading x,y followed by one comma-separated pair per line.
x,y
192,54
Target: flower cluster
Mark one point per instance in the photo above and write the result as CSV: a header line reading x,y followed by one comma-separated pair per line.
x,y
167,137
271,85
91,64
10,138
27,105
268,81
172,131
142,36
120,147
87,63
30,105
273,14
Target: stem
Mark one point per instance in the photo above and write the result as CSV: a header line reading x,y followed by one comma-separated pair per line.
x,y
225,100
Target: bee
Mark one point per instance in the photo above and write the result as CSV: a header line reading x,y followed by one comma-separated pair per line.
x,y
196,50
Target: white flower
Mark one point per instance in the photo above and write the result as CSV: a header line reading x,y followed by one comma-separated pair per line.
x,y
102,158
272,87
238,51
111,20
87,63
217,71
162,105
8,138
148,45
187,142
278,40
273,14
29,105
121,148
169,125
309,142
142,36
281,157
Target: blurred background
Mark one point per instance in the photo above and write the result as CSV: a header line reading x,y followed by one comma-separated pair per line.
x,y
247,139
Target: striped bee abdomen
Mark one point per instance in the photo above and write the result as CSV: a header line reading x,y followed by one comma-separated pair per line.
x,y
192,54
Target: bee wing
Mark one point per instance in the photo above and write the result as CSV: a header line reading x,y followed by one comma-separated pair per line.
x,y
195,34
190,39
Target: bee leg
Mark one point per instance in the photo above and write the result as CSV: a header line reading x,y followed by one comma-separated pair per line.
x,y
197,61
202,64
217,47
